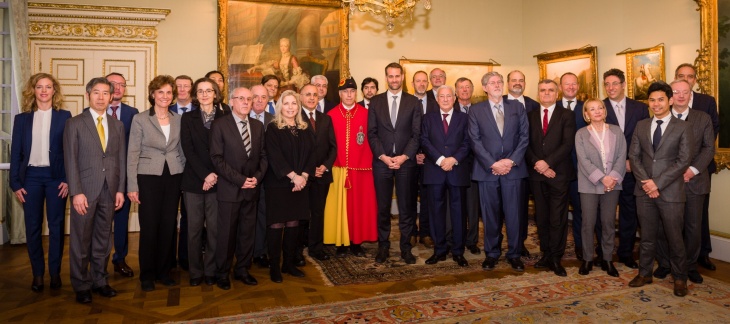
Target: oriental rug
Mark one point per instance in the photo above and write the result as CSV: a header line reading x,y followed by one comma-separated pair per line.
x,y
528,298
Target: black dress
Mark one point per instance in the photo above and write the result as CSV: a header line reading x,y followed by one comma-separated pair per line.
x,y
288,149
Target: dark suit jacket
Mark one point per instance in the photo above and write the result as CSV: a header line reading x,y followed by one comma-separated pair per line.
x,y
635,111
127,112
325,145
174,108
431,105
489,147
23,139
267,118
707,104
195,141
87,165
703,151
579,123
362,103
530,104
665,166
455,143
406,133
457,106
554,147
328,105
230,161
288,154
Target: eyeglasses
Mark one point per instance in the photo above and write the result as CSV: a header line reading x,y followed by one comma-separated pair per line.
x,y
494,83
681,92
206,91
614,84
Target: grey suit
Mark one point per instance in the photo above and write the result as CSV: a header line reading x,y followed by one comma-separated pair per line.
x,y
98,175
149,150
666,212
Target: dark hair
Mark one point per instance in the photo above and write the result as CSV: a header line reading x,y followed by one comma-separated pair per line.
x,y
184,77
462,79
368,80
115,73
421,72
207,75
157,83
569,73
615,72
393,66
93,82
694,69
660,86
270,77
194,92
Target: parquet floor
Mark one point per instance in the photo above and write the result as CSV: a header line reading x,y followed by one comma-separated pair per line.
x,y
18,304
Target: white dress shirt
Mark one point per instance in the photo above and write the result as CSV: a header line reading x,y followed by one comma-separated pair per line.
x,y
572,104
40,142
550,109
665,121
240,126
448,121
521,99
399,96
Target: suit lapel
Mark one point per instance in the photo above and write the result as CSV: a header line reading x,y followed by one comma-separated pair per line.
x,y
557,113
490,117
234,130
91,125
156,123
174,132
667,132
610,114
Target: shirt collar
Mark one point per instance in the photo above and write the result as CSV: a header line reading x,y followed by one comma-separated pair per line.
x,y
398,94
665,120
521,98
622,102
96,115
573,103
691,98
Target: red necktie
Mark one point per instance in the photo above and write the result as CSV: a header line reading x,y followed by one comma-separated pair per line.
x,y
544,122
114,112
311,121
446,125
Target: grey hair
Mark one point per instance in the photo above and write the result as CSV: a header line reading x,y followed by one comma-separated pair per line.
x,y
489,75
319,77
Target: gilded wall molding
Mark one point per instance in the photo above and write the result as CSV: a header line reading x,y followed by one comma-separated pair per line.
x,y
79,7
42,29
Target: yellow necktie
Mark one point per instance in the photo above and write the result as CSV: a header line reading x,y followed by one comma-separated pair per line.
x,y
100,130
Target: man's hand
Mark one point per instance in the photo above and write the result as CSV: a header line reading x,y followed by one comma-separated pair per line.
x,y
688,175
654,194
134,197
80,204
118,201
549,173
447,164
320,170
399,160
649,186
63,190
420,157
250,183
541,166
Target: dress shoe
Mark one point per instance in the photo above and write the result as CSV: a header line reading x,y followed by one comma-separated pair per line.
x,y
640,281
460,260
474,249
585,268
167,281
37,284
542,263
224,283
262,261
524,252
629,262
321,256
516,264
579,253
196,281
706,263
489,263
56,282
247,279
408,257
427,241
210,280
611,270
695,277
105,291
83,297
299,258
383,254
275,275
680,288
341,251
435,258
661,272
603,264
294,271
148,285
123,269
558,269
357,250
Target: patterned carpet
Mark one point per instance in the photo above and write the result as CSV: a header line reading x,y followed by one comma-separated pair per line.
x,y
528,298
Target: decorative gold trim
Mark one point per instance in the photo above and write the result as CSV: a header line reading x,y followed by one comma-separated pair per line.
x,y
490,63
720,234
90,30
79,42
630,54
588,51
97,8
707,66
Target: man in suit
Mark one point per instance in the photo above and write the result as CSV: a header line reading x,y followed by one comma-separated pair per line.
x,y
124,113
95,157
707,104
271,84
261,101
445,141
323,105
499,133
325,153
422,230
552,138
464,91
696,178
239,177
394,127
625,113
184,104
660,153
437,78
369,89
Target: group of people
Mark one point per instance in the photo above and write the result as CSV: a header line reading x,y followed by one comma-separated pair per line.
x,y
263,178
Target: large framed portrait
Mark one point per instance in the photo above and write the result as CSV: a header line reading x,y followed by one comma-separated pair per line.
x,y
581,61
453,69
713,67
643,67
292,39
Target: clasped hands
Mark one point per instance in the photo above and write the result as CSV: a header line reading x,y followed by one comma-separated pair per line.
x,y
650,188
609,183
299,180
210,181
393,163
543,168
502,167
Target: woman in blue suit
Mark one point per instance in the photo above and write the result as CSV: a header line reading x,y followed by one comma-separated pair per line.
x,y
37,172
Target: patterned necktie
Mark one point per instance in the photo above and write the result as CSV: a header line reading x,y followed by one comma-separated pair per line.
x,y
620,115
423,106
246,137
446,124
544,122
570,102
114,112
466,109
100,130
500,119
319,108
312,121
657,134
394,110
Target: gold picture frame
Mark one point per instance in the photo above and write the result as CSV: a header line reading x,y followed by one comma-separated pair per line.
x,y
708,74
453,69
250,41
643,67
581,61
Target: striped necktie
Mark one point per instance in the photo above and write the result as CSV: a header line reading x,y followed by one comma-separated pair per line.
x,y
246,137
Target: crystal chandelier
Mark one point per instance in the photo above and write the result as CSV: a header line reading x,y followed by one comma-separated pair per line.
x,y
389,9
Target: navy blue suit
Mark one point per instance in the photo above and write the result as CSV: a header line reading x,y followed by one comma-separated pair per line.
x,y
627,220
41,184
500,194
423,228
181,239
435,144
703,102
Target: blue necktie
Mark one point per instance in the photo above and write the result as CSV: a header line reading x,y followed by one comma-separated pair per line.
x,y
184,109
271,108
657,134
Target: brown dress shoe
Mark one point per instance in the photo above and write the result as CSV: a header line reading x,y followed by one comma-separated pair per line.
x,y
640,280
680,288
123,269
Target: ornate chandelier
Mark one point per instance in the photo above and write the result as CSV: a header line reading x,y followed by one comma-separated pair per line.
x,y
389,9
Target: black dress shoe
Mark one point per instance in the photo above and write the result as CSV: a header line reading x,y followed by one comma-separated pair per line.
x,y
474,249
516,264
275,275
37,284
196,281
706,263
341,251
167,281
629,262
661,272
148,285
321,256
558,269
579,253
611,270
105,291
460,260
435,258
83,297
56,282
210,280
489,263
299,258
224,283
247,279
585,268
123,269
294,271
603,264
542,263
408,257
383,254
695,277
262,261
357,250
